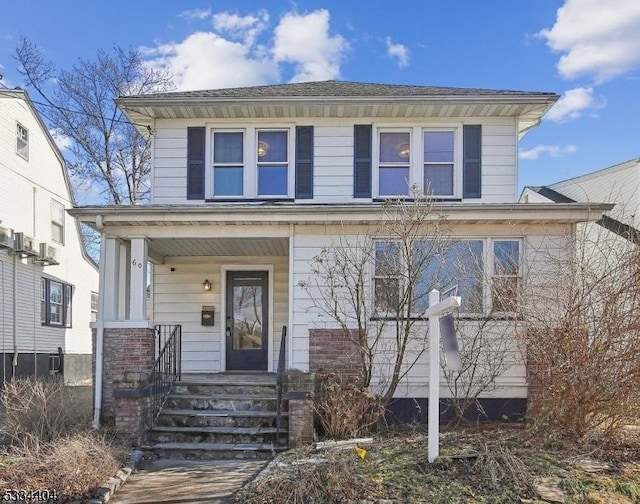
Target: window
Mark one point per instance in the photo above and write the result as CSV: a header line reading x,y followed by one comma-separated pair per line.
x,y
394,163
439,162
457,266
54,364
506,269
55,303
272,156
22,141
228,163
57,222
94,306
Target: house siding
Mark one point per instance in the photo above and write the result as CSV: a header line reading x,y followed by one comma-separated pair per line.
x,y
178,298
333,156
26,192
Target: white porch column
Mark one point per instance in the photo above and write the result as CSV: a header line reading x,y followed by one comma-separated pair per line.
x,y
111,273
125,275
138,279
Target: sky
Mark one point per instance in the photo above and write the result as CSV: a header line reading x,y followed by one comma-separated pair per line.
x,y
586,51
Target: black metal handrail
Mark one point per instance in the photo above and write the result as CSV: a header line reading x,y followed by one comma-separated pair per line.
x,y
166,369
280,379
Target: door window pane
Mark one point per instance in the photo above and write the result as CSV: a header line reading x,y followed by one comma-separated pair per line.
x,y
247,314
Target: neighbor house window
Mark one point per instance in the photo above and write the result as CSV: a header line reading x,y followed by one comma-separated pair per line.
x,y
273,165
439,155
394,163
57,222
228,163
94,306
22,141
55,303
506,270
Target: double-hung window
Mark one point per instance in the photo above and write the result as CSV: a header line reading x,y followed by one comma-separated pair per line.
x,y
394,168
55,303
22,141
387,277
506,273
272,154
439,167
228,163
57,222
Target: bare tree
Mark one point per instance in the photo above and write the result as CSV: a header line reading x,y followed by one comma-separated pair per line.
x,y
107,153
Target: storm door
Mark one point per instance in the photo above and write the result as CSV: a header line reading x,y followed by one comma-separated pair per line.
x,y
247,320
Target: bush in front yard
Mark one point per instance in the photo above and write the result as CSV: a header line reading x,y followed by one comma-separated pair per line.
x,y
44,409
344,409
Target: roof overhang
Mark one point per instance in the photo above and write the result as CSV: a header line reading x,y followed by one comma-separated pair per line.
x,y
528,109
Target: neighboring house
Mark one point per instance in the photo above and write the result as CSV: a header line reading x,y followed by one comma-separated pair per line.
x,y
250,184
618,184
47,282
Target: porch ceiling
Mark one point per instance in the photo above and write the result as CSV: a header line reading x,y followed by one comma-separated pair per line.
x,y
166,247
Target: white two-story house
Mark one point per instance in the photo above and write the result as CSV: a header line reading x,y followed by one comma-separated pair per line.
x,y
48,284
250,184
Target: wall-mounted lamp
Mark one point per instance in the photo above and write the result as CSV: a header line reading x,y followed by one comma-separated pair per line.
x,y
207,285
263,148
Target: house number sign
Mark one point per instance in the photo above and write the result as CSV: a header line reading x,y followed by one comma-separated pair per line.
x,y
135,263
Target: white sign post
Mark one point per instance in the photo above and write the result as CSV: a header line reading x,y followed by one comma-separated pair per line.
x,y
436,310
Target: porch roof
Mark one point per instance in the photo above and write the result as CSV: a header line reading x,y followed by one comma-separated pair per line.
x,y
281,214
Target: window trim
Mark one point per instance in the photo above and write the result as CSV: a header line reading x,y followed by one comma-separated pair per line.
x,y
211,185
66,307
250,157
416,162
488,258
19,138
60,206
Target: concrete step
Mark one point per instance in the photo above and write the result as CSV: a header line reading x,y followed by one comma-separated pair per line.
x,y
242,388
218,434
189,417
211,451
237,402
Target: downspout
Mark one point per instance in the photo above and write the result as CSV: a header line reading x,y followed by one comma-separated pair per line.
x,y
97,405
14,363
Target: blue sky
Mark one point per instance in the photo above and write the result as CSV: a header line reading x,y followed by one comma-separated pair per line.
x,y
587,51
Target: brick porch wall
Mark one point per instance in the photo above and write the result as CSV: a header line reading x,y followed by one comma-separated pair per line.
x,y
333,351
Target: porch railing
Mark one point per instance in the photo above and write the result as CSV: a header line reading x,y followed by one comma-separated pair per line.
x,y
166,369
280,380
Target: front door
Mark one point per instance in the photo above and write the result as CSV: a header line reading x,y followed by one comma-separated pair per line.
x,y
247,320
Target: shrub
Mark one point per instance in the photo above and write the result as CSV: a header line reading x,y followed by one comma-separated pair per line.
x,y
41,409
345,409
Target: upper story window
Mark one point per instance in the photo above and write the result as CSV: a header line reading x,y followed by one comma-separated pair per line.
x,y
22,141
439,162
228,163
273,166
394,163
57,222
94,306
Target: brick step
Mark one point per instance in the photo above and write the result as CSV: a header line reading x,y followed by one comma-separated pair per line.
x,y
182,417
233,402
214,451
218,434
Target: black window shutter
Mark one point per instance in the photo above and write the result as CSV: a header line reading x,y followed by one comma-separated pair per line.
x,y
195,163
472,155
362,160
304,162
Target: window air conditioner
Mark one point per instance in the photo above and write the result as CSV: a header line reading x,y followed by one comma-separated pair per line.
x,y
25,244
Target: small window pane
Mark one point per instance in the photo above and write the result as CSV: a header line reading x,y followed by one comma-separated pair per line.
x,y
438,180
387,295
22,141
387,258
227,181
227,147
394,181
394,147
438,146
507,258
272,180
504,293
272,146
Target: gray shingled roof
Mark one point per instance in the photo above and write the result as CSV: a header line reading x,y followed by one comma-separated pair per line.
x,y
333,88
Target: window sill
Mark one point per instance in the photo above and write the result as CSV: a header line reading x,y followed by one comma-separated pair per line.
x,y
283,199
470,318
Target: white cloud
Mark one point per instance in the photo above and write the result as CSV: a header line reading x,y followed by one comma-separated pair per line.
x,y
195,14
597,38
62,141
399,51
304,40
573,103
231,54
551,150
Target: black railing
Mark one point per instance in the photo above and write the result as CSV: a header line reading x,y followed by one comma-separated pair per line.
x,y
166,369
280,380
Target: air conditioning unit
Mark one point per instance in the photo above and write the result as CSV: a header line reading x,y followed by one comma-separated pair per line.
x,y
25,244
48,253
6,237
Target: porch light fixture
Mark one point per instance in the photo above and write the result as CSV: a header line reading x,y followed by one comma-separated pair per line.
x,y
207,285
263,148
404,150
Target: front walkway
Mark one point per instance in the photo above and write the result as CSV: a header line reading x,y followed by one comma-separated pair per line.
x,y
187,481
